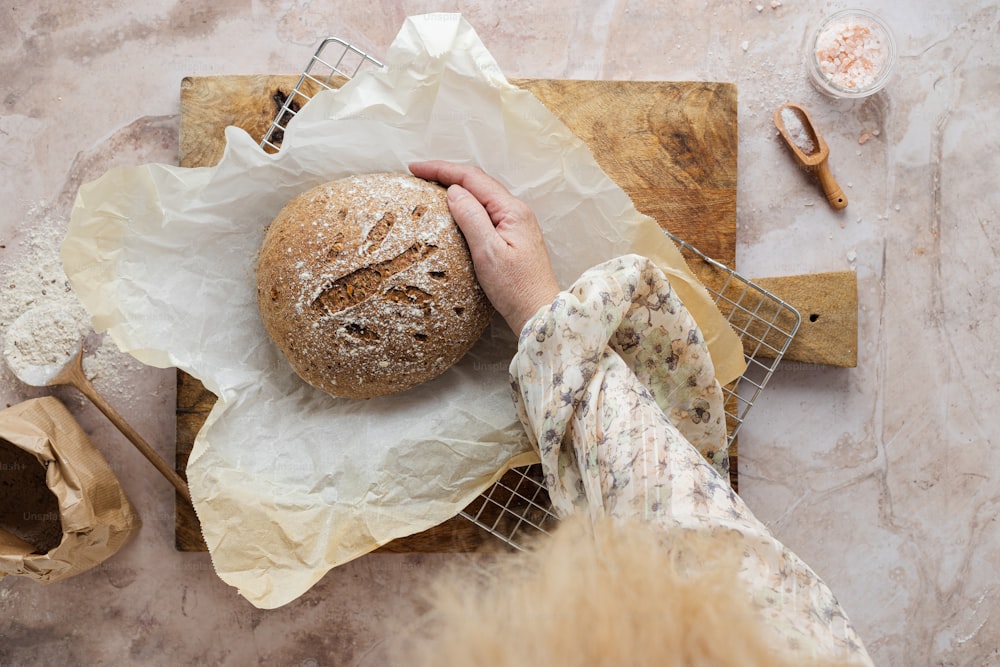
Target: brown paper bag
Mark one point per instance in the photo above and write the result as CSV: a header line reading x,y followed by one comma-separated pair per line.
x,y
62,510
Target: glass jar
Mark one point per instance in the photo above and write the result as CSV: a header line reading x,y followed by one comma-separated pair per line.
x,y
851,54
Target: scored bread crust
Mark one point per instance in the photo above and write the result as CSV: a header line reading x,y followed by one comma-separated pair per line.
x,y
367,286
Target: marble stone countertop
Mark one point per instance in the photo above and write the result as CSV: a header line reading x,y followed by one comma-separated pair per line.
x,y
885,478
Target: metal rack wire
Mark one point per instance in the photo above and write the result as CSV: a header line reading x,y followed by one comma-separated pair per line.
x,y
764,323
333,63
517,508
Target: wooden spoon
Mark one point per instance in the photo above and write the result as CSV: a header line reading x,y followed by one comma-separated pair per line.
x,y
809,148
70,373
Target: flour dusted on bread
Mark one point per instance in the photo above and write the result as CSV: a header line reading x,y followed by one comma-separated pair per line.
x,y
367,286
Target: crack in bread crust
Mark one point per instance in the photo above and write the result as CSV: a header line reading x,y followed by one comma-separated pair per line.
x,y
367,282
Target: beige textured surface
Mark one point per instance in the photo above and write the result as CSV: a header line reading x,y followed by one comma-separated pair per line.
x,y
883,477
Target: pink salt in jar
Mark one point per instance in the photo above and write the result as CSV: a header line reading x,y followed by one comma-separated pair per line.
x,y
851,54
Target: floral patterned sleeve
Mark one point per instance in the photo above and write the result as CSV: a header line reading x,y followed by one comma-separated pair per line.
x,y
615,387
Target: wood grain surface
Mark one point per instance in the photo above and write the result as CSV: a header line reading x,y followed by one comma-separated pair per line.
x,y
828,304
672,146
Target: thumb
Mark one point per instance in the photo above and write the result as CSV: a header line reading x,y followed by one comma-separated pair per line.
x,y
472,218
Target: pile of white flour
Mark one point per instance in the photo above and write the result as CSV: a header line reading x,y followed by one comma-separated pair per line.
x,y
33,281
43,339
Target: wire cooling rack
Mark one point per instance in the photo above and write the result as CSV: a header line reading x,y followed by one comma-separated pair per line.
x,y
334,62
517,508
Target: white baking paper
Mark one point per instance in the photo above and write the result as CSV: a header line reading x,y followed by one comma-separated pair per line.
x,y
289,482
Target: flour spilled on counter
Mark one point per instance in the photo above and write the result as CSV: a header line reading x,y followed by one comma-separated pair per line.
x,y
34,280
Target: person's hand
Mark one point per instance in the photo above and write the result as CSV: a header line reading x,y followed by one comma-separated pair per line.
x,y
506,243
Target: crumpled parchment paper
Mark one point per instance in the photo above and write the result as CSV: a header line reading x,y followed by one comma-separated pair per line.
x,y
286,481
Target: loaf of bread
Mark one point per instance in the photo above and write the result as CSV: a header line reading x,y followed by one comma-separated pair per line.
x,y
367,287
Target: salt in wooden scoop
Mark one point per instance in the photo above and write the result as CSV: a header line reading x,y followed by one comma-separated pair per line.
x,y
809,149
44,348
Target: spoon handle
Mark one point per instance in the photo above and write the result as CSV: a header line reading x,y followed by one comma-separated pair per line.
x,y
79,380
831,188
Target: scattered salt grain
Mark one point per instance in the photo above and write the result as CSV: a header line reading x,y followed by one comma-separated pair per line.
x,y
745,45
852,255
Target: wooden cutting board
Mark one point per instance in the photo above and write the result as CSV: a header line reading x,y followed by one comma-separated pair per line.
x,y
672,146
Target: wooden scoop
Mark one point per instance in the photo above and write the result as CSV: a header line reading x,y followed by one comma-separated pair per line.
x,y
809,149
70,372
